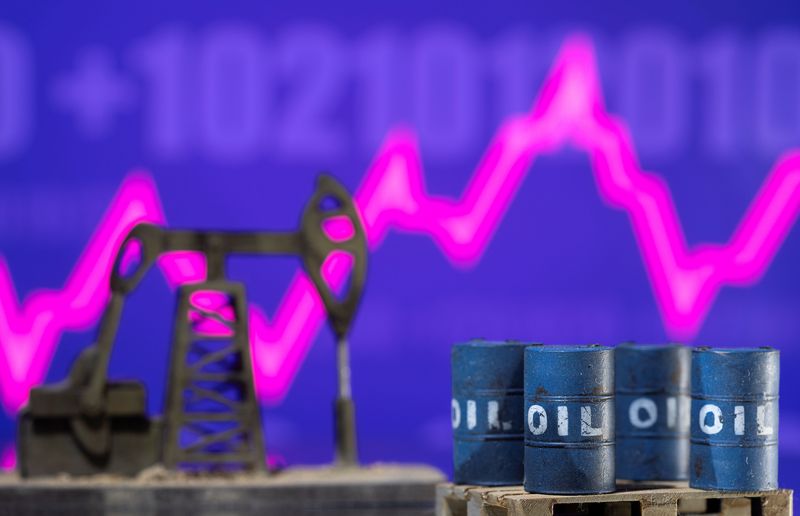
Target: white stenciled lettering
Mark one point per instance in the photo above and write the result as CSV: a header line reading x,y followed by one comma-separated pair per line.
x,y
455,413
472,417
672,412
646,406
738,420
586,423
684,414
493,415
716,415
761,420
537,426
563,420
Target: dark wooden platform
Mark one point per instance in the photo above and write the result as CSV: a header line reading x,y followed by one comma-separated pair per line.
x,y
661,499
396,490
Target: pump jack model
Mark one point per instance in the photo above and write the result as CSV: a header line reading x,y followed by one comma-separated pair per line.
x,y
88,424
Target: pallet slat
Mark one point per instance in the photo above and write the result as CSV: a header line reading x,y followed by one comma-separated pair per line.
x,y
630,500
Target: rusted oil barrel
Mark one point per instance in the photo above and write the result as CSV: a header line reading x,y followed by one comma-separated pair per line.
x,y
569,419
486,412
734,425
653,411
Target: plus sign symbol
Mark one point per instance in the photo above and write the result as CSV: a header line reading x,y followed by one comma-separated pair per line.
x,y
93,92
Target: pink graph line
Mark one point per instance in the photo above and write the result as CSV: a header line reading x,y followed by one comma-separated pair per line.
x,y
568,111
8,458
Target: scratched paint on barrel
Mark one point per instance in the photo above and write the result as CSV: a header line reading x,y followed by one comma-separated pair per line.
x,y
486,412
734,426
652,411
569,419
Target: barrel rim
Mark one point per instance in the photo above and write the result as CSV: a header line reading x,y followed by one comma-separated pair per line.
x,y
735,351
646,346
486,343
570,348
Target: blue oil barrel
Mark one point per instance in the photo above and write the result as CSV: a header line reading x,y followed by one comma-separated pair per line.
x,y
569,419
486,412
652,411
734,419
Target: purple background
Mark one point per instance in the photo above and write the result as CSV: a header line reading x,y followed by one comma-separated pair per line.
x,y
330,78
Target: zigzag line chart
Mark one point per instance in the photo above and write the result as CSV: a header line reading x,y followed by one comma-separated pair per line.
x,y
569,110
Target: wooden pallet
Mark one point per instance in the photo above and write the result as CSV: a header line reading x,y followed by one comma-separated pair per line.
x,y
629,500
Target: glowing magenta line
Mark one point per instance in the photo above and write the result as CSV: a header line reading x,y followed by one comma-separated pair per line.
x,y
8,458
569,110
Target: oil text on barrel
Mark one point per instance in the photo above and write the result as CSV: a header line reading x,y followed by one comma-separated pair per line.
x,y
734,427
652,409
569,419
486,412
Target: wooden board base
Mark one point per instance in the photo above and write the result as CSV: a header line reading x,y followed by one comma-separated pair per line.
x,y
397,490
